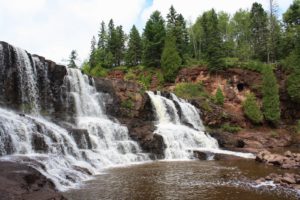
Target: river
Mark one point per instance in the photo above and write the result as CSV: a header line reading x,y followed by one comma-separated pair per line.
x,y
205,180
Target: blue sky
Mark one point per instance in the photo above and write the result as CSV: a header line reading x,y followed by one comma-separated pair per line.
x,y
52,28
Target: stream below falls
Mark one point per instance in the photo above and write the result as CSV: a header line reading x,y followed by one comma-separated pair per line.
x,y
205,180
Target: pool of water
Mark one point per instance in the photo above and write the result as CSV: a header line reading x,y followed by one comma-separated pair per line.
x,y
205,180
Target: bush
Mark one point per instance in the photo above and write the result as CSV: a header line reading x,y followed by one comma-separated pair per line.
x,y
293,86
98,71
219,97
231,62
253,65
128,104
231,128
189,90
271,103
252,110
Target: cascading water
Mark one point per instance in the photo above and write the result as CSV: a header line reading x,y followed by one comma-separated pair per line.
x,y
65,156
27,75
182,140
110,141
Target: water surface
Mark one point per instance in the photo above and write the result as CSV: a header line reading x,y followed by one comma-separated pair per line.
x,y
205,180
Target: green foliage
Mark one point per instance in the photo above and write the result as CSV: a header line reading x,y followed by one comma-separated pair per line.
x,y
298,127
252,110
170,59
98,71
293,85
259,31
271,103
219,97
134,52
230,128
128,104
253,65
212,41
190,90
72,59
153,40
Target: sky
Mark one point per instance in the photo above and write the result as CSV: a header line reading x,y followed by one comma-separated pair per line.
x,y
52,28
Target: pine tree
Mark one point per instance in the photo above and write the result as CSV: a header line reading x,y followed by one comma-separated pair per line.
x,y
252,110
176,25
112,42
92,59
259,29
170,59
120,45
153,40
72,59
102,40
271,103
212,41
134,52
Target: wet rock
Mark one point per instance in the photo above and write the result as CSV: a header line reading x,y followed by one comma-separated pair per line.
x,y
287,180
155,146
21,182
82,139
287,161
39,143
200,155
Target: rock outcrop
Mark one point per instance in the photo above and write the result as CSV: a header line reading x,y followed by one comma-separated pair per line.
x,y
287,161
21,182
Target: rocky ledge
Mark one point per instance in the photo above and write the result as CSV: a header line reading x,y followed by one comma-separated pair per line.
x,y
287,161
18,181
287,180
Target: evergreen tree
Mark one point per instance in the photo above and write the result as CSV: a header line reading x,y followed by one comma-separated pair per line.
x,y
112,43
134,52
271,103
176,25
72,59
170,59
92,60
259,29
102,40
212,41
120,45
153,40
252,110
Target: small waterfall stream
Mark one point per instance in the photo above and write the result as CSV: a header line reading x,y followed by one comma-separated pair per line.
x,y
182,140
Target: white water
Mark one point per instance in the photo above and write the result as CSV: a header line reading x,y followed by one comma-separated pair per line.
x,y
181,140
28,83
53,150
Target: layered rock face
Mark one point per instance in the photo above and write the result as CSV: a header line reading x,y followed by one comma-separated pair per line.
x,y
48,82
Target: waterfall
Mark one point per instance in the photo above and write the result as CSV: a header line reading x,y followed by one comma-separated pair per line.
x,y
66,156
183,134
110,140
28,83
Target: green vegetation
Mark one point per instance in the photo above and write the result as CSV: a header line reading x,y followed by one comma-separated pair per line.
x,y
219,97
252,110
170,59
230,128
271,103
190,90
72,59
128,104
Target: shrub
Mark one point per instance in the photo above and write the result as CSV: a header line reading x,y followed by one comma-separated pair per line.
x,y
219,97
98,71
252,110
127,104
271,103
189,90
231,128
293,86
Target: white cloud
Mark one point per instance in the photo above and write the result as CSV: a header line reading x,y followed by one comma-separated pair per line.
x,y
52,28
